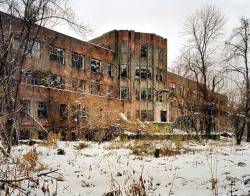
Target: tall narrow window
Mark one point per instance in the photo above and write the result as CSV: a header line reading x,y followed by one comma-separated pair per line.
x,y
42,110
110,70
57,54
96,66
77,60
123,71
124,93
34,48
144,51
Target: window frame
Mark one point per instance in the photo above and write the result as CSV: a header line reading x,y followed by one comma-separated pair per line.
x,y
77,58
55,55
42,109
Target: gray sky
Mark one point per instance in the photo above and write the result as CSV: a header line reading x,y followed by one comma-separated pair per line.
x,y
163,17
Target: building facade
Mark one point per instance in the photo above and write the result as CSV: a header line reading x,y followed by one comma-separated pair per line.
x,y
121,71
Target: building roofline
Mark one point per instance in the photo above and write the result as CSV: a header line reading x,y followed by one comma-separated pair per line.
x,y
57,32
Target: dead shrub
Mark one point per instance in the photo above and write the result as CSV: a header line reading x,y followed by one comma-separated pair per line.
x,y
81,146
169,152
29,162
52,140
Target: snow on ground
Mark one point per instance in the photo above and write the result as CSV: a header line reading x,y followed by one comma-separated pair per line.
x,y
97,169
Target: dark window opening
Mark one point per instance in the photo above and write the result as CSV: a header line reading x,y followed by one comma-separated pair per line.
x,y
146,94
110,71
57,81
96,66
144,51
143,72
25,108
42,110
124,93
77,60
123,71
57,54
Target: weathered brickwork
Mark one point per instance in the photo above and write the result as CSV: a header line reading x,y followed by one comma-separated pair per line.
x,y
119,72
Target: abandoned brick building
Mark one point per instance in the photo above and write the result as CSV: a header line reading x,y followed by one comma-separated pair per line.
x,y
120,72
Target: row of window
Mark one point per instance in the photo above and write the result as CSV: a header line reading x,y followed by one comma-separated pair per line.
x,y
42,109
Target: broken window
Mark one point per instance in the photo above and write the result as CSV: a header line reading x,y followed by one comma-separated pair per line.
x,y
95,88
146,115
77,60
146,94
110,71
25,108
34,48
143,72
63,111
57,81
57,54
172,87
123,71
146,72
144,51
78,85
124,93
96,66
35,77
42,110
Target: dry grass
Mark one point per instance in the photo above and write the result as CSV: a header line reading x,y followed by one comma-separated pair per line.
x,y
169,152
81,146
52,140
29,162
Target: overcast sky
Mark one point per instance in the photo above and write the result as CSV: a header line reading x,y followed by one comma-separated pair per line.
x,y
162,17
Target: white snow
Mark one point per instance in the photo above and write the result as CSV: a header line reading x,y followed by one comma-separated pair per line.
x,y
93,170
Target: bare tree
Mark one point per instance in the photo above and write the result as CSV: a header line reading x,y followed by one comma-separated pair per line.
x,y
199,59
23,22
238,52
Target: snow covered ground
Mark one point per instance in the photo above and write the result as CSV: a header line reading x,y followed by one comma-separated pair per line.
x,y
214,168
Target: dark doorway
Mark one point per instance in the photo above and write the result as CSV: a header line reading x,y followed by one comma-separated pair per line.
x,y
163,116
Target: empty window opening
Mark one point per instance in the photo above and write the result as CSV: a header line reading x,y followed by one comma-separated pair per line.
x,y
77,61
124,93
57,81
42,110
144,51
57,55
110,70
123,71
96,66
146,94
